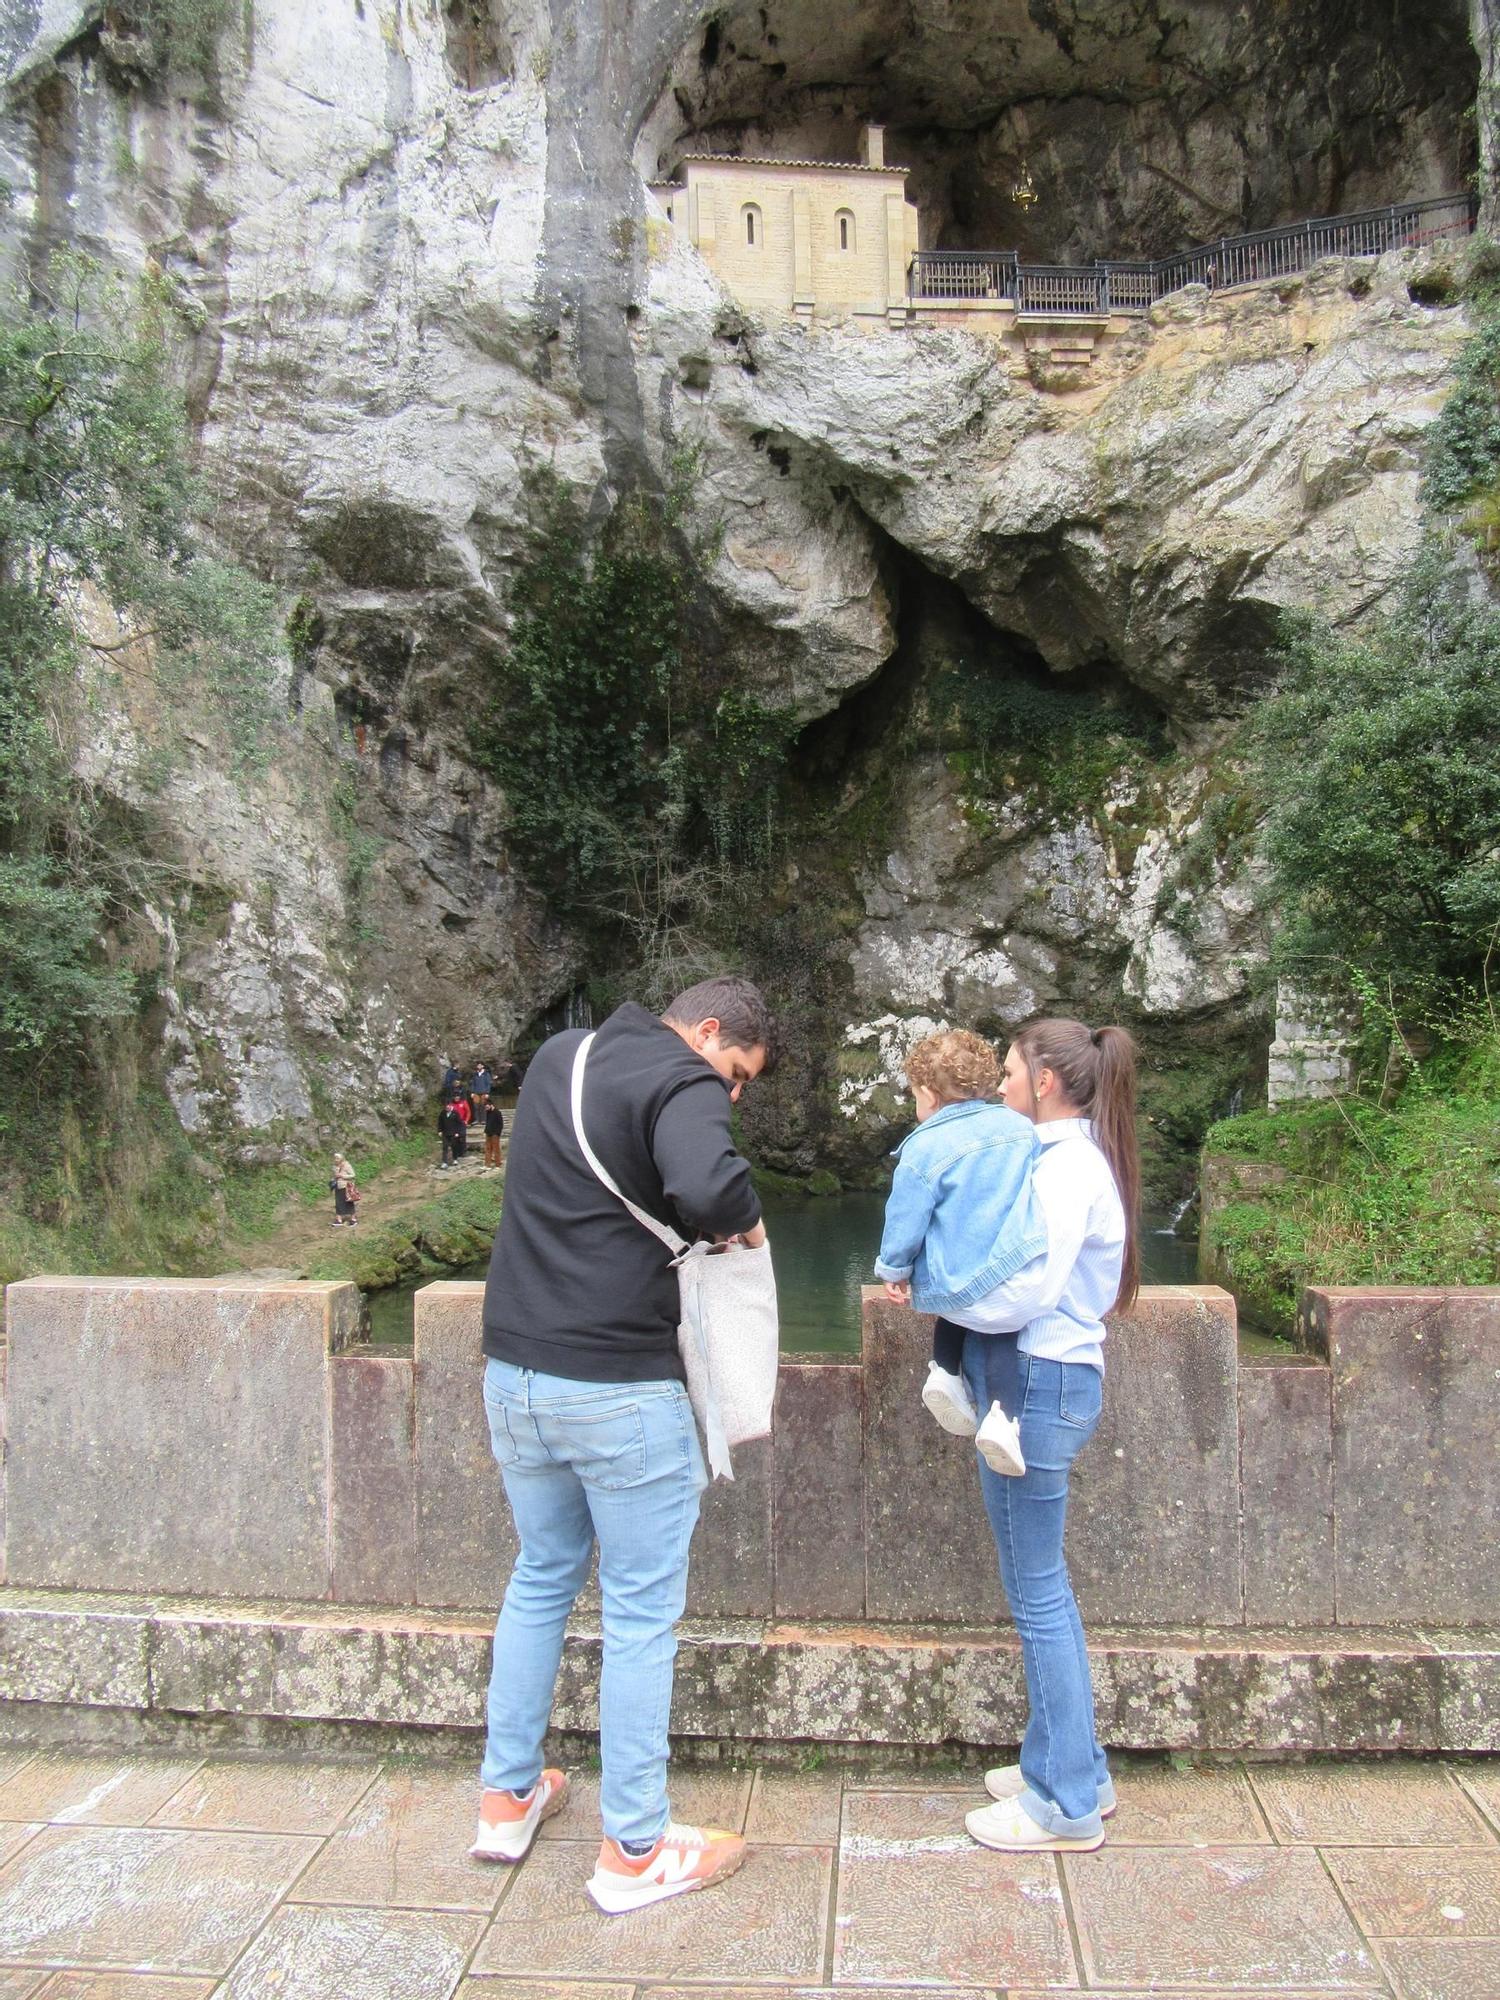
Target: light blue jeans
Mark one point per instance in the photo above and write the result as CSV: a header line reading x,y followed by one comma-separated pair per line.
x,y
620,1463
1058,1403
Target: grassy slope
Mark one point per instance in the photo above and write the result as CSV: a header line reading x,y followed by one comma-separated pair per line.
x,y
1405,1194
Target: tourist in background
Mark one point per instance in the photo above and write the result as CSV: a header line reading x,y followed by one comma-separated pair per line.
x,y
1078,1086
481,1086
345,1194
451,1129
494,1125
589,1416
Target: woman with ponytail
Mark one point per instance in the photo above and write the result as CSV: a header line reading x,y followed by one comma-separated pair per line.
x,y
1078,1087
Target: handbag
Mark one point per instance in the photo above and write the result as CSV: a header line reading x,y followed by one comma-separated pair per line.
x,y
728,1335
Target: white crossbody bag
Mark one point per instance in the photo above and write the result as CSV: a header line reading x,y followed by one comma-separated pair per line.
x,y
729,1335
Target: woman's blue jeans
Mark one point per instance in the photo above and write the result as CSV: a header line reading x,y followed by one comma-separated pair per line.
x,y
1058,1404
620,1463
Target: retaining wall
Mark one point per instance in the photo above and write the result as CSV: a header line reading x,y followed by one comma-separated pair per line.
x,y
216,1479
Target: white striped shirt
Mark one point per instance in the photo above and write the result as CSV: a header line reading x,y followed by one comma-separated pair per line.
x,y
1059,1301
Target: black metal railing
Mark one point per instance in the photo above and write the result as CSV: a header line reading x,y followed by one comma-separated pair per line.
x,y
1094,291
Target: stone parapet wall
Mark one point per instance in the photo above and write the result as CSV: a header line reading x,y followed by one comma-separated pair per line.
x,y
212,1438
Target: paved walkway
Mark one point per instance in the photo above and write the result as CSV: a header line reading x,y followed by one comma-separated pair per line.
x,y
176,1878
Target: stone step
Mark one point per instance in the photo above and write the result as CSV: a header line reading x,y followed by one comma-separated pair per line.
x,y
91,1659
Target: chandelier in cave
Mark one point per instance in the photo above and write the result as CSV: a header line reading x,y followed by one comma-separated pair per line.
x,y
1024,194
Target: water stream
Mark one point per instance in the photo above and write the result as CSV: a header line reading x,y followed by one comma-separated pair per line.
x,y
823,1250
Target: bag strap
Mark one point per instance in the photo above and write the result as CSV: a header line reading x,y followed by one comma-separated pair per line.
x,y
678,1245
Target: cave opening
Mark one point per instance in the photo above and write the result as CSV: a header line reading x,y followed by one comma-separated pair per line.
x,y
1068,130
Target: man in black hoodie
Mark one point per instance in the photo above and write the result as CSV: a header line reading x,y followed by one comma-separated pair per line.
x,y
588,1410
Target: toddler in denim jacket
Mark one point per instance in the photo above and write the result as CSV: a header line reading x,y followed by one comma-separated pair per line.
x,y
961,1219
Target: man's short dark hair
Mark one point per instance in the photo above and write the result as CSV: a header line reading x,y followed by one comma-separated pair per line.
x,y
739,1007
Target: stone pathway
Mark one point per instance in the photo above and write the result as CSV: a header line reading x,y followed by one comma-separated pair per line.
x,y
136,1877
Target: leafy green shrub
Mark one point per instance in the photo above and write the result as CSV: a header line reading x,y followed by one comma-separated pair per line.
x,y
1369,1194
1378,768
181,35
1065,742
1463,463
630,770
98,565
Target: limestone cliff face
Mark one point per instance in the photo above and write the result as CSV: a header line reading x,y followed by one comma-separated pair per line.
x,y
416,252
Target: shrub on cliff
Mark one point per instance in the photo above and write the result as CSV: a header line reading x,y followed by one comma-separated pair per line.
x,y
96,554
1378,766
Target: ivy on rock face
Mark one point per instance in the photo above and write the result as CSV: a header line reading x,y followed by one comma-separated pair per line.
x,y
96,555
626,761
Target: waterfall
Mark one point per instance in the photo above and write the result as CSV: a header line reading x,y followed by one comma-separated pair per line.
x,y
577,1012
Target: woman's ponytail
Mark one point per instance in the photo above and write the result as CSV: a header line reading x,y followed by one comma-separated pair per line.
x,y
1095,1068
1113,1116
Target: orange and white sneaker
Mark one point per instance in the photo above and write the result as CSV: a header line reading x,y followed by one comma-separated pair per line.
x,y
686,1857
508,1824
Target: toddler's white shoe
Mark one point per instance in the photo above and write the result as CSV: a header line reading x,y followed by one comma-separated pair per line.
x,y
998,1440
946,1397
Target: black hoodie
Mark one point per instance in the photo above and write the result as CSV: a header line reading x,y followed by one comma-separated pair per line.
x,y
576,1286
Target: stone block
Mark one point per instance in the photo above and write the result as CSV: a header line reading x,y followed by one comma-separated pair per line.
x,y
730,1573
172,1435
373,1506
928,1549
819,1490
1154,1513
49,1653
465,1539
1286,1484
1416,1477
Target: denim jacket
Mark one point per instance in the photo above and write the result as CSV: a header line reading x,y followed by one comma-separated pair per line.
x,y
961,1217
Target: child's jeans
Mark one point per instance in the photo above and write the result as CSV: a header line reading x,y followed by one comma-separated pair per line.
x,y
948,1347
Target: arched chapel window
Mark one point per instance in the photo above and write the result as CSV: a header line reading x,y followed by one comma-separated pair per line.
x,y
845,224
753,227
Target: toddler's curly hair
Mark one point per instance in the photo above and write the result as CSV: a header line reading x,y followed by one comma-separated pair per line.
x,y
955,1066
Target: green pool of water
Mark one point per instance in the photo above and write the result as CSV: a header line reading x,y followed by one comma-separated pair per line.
x,y
823,1249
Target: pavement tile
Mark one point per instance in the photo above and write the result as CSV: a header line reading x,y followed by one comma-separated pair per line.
x,y
12,1761
811,1992
699,1798
406,1844
100,1790
306,1953
1191,1808
910,1778
766,1923
1483,1782
14,1838
153,1898
568,1989
796,1810
1430,1892
1361,1805
1260,1916
919,1900
21,1985
267,1795
1426,1969
122,1986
